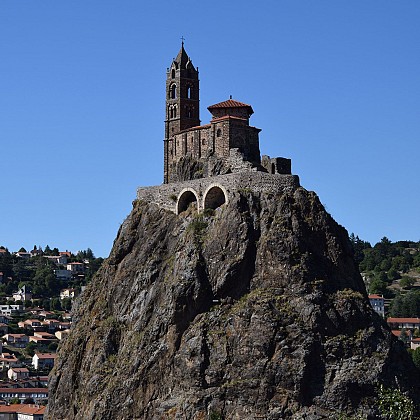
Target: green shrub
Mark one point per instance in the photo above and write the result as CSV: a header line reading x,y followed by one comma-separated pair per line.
x,y
394,405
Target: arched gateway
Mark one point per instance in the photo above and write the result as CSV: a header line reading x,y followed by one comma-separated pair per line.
x,y
215,196
185,198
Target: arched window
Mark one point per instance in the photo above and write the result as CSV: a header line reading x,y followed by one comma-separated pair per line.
x,y
189,92
173,74
172,112
175,111
189,112
218,132
173,92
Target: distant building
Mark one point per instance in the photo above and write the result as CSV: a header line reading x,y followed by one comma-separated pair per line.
x,y
17,374
62,274
24,255
76,267
22,412
407,323
67,293
378,304
23,294
415,343
43,360
10,310
57,259
16,340
62,334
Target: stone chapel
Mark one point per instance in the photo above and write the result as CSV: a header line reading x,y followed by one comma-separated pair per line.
x,y
227,143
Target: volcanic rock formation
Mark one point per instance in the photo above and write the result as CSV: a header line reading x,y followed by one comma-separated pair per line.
x,y
255,310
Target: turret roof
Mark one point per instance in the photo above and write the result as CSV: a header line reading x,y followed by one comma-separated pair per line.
x,y
182,57
230,103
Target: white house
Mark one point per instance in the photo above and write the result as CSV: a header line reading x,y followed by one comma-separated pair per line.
x,y
23,294
378,304
10,309
57,259
76,267
43,360
67,293
16,373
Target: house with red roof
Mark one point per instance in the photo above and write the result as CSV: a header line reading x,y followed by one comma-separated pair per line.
x,y
18,373
22,412
407,323
378,304
43,360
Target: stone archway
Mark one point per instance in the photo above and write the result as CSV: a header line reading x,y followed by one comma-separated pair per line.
x,y
185,198
214,197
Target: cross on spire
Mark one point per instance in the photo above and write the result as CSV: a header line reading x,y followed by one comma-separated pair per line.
x,y
182,40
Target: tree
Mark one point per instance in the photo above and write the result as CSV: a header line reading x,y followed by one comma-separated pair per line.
x,y
393,274
377,286
55,304
52,346
406,306
407,282
416,357
30,348
66,304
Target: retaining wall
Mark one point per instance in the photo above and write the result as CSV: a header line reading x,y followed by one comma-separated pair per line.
x,y
167,195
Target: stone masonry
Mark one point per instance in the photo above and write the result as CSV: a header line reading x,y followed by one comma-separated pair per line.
x,y
224,154
169,196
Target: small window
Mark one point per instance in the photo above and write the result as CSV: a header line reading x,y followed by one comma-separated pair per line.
x,y
173,92
189,92
174,111
173,74
203,142
218,132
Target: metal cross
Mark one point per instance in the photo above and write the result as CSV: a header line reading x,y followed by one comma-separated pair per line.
x,y
182,39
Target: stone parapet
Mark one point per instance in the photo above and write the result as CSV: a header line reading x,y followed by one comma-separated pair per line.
x,y
168,195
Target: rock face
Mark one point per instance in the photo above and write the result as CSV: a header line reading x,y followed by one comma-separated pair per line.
x,y
255,310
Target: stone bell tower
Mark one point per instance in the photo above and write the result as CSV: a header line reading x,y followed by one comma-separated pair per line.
x,y
182,101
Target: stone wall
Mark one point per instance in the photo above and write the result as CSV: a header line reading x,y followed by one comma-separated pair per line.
x,y
168,195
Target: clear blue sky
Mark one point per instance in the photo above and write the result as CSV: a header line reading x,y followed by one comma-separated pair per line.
x,y
335,86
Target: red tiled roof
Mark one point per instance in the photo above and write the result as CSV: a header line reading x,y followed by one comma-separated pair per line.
x,y
24,390
230,103
415,340
403,320
375,297
46,355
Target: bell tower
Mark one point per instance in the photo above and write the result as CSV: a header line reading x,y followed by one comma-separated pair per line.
x,y
182,101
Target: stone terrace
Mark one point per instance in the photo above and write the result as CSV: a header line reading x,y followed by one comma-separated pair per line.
x,y
168,195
